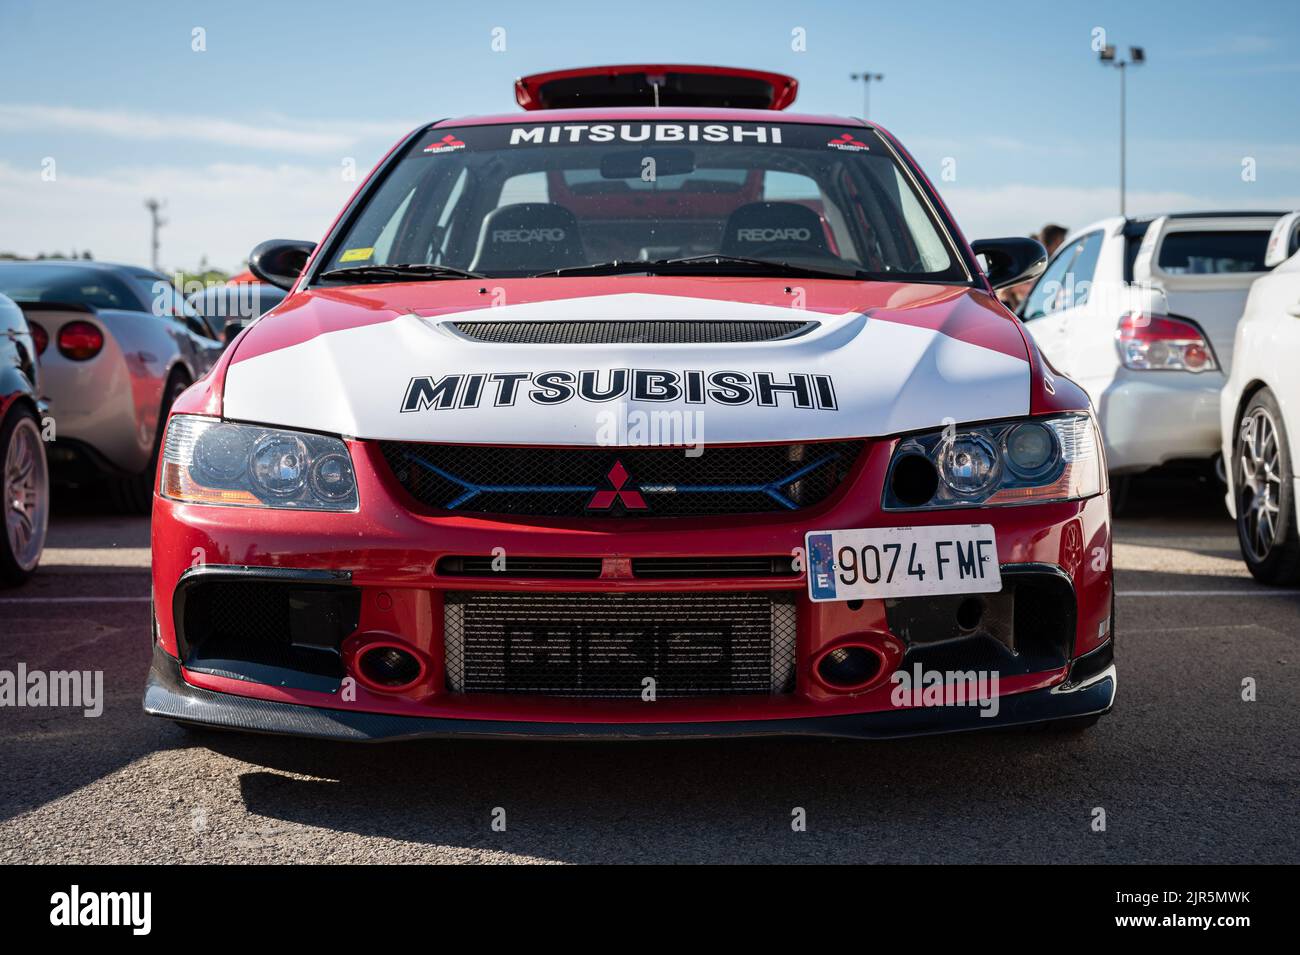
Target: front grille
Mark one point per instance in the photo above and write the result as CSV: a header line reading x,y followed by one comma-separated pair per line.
x,y
1027,627
520,567
541,568
713,567
282,632
621,482
630,332
606,645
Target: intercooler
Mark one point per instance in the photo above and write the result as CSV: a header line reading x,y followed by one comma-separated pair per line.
x,y
607,645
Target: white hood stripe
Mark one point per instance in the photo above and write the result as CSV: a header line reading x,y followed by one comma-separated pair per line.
x,y
411,379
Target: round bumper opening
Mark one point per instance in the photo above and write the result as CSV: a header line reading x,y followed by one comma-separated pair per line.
x,y
388,667
849,667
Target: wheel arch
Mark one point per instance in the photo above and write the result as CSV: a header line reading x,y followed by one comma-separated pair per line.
x,y
15,390
1252,388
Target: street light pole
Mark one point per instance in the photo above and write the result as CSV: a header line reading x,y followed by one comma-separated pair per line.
x,y
157,221
866,89
1123,137
1136,57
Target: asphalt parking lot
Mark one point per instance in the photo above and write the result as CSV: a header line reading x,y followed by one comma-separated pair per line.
x,y
1184,770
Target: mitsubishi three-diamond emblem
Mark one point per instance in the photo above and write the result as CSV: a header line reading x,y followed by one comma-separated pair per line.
x,y
618,478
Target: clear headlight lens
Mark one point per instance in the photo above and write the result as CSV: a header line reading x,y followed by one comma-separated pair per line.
x,y
207,461
1011,462
1030,448
968,464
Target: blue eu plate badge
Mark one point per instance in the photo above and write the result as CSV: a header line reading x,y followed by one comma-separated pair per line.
x,y
821,566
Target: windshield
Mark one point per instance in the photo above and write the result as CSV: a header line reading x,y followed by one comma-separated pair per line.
x,y
529,198
66,285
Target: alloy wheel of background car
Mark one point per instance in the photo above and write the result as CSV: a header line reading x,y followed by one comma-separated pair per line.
x,y
26,495
1266,524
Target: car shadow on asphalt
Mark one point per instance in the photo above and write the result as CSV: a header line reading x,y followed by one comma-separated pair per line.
x,y
688,801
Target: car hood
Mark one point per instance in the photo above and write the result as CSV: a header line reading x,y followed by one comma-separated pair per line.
x,y
432,361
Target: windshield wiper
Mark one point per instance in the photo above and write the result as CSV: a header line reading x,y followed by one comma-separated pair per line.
x,y
612,267
776,268
387,273
699,262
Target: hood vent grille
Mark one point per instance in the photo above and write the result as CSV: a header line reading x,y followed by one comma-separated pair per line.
x,y
630,332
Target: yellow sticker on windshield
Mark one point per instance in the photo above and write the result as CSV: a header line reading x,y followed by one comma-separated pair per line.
x,y
357,255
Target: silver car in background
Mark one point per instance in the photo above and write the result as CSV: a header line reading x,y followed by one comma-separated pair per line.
x,y
117,344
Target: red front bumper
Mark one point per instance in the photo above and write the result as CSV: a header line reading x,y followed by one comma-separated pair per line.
x,y
391,549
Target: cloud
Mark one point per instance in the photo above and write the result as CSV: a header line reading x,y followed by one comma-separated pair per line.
x,y
1224,153
1239,44
1021,209
219,211
274,134
222,210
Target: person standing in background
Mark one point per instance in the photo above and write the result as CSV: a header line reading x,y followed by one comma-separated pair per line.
x,y
1051,236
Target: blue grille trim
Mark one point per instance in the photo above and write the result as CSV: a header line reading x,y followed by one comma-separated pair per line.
x,y
772,489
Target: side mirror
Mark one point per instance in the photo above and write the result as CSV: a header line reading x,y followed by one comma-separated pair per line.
x,y
279,262
1011,261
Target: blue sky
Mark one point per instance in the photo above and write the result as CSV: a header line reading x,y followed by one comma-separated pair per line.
x,y
248,139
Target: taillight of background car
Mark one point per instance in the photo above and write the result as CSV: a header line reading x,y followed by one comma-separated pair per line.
x,y
1160,343
40,337
80,341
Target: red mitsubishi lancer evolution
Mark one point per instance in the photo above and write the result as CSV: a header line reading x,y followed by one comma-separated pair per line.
x,y
651,411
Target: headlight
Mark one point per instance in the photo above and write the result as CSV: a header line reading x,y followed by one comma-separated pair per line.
x,y
207,461
968,464
1012,462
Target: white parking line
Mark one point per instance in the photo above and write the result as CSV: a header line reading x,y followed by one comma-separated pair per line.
x,y
73,600
1207,593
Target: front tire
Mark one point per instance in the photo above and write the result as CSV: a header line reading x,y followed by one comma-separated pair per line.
x,y
26,486
1121,490
1265,493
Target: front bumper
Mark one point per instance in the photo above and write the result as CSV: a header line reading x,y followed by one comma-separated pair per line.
x,y
388,558
1088,690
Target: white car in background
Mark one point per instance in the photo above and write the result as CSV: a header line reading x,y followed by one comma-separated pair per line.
x,y
1142,313
1261,414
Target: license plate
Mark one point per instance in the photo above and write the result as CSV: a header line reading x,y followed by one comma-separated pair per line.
x,y
876,562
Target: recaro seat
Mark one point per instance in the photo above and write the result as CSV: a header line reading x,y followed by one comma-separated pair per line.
x,y
764,230
528,237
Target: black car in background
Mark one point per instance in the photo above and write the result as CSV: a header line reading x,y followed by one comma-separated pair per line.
x,y
25,474
228,308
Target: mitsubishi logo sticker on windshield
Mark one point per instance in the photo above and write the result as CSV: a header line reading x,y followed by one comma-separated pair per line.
x,y
846,142
447,144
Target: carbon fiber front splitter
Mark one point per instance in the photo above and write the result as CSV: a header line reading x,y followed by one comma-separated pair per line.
x,y
1089,690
